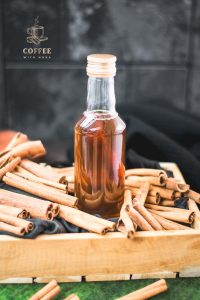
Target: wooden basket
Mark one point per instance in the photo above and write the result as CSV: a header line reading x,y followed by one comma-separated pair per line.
x,y
77,256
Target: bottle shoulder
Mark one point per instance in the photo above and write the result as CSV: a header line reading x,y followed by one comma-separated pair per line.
x,y
91,124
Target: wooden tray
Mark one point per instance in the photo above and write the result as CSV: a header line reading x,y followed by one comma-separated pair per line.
x,y
91,257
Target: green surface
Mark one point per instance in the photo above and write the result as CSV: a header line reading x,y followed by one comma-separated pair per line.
x,y
179,289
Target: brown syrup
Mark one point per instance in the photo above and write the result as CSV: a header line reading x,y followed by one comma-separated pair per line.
x,y
100,159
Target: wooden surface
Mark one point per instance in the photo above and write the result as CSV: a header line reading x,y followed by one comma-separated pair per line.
x,y
68,257
88,254
174,168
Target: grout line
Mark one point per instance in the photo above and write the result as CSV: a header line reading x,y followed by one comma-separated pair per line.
x,y
190,56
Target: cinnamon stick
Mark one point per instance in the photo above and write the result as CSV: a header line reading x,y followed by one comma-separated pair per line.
x,y
194,196
151,290
144,172
85,220
163,208
184,217
37,208
163,192
52,294
67,179
125,224
17,222
142,193
14,211
45,290
2,156
146,215
31,149
132,189
39,190
134,185
31,177
174,184
70,188
128,197
69,182
19,138
193,207
168,224
23,171
153,199
39,170
10,166
135,215
166,203
135,180
12,229
154,191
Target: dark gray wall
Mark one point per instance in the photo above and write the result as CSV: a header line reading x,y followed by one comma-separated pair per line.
x,y
157,44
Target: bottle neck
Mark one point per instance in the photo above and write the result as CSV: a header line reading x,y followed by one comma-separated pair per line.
x,y
101,95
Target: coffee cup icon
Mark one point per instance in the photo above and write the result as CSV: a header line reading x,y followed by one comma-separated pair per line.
x,y
36,33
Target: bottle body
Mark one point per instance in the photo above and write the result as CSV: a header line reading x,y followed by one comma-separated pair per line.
x,y
100,162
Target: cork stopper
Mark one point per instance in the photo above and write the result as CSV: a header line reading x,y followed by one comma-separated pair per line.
x,y
101,65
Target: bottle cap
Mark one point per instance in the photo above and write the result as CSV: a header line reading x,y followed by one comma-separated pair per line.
x,y
101,65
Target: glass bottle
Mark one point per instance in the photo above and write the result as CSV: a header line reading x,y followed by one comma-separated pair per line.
x,y
100,143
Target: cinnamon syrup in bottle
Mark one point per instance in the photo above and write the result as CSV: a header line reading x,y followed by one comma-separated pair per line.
x,y
100,143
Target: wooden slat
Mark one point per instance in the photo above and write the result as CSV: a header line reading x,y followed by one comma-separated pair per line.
x,y
16,280
190,272
86,254
163,274
108,277
58,279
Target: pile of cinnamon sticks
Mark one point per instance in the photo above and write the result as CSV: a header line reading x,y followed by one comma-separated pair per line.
x,y
149,199
12,220
149,203
49,188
